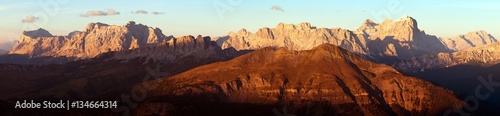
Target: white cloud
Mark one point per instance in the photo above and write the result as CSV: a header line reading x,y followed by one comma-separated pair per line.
x,y
157,13
113,12
146,12
278,8
92,13
140,12
29,19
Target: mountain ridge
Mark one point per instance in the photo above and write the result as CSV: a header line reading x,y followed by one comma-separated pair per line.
x,y
390,42
95,39
481,55
281,76
400,38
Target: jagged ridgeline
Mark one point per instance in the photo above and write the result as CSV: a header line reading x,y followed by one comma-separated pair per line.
x,y
95,39
310,70
390,42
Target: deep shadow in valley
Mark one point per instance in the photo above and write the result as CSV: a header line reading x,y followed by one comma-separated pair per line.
x,y
465,79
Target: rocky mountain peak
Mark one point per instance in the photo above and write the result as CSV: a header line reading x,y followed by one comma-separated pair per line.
x,y
403,22
37,33
369,22
481,34
300,26
409,21
304,25
327,48
469,40
400,38
71,34
95,39
92,26
368,27
386,22
243,31
265,33
131,23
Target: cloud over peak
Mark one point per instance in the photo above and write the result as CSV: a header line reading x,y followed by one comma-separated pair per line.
x,y
92,13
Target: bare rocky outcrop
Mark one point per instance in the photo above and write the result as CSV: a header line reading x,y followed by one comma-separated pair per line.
x,y
482,55
39,43
95,39
469,40
399,43
302,36
166,52
399,39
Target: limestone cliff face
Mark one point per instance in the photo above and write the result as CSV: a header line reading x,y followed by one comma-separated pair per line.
x,y
400,39
95,39
302,36
485,55
197,48
38,43
488,54
308,81
469,40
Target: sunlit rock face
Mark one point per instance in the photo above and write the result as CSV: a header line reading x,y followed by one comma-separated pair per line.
x,y
95,39
401,38
469,40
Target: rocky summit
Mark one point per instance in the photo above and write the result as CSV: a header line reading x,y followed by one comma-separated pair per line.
x,y
469,40
400,39
95,39
483,55
385,42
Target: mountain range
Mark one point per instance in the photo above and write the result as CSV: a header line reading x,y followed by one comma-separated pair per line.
x,y
399,39
390,42
310,70
486,55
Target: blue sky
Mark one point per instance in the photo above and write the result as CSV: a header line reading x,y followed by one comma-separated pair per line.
x,y
218,17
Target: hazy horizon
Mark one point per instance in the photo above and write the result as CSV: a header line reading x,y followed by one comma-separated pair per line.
x,y
218,17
